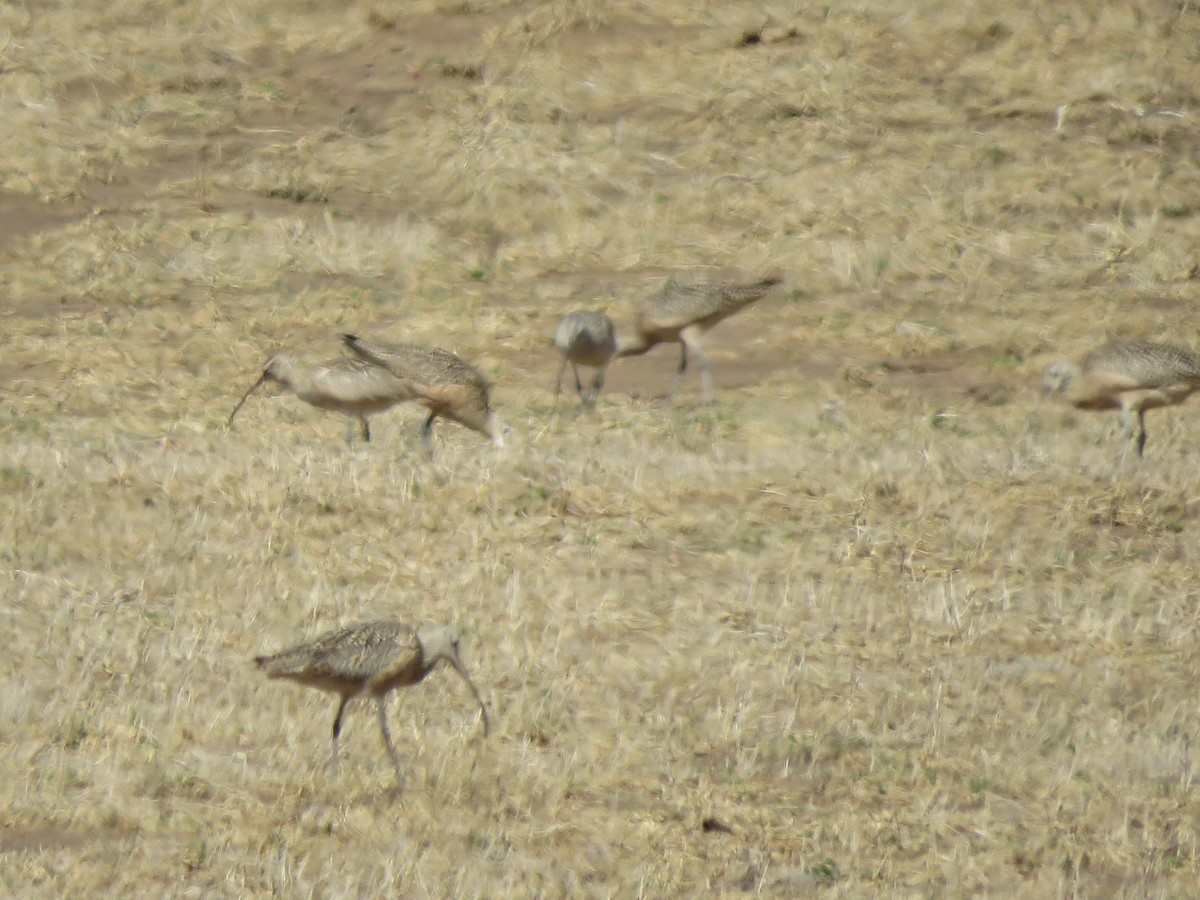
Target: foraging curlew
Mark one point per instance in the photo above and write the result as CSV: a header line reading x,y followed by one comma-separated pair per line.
x,y
370,660
448,386
682,313
585,338
1130,376
349,386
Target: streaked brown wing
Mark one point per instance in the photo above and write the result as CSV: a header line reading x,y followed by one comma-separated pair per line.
x,y
356,381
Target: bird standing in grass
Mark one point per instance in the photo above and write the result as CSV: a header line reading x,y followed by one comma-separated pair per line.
x,y
585,338
369,660
352,387
682,313
448,387
1129,376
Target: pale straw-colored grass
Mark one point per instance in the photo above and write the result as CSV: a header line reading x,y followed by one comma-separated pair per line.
x,y
885,621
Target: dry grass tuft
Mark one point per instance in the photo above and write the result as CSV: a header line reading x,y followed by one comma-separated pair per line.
x,y
877,623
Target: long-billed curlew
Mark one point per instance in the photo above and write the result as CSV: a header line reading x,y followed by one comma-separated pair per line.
x,y
1130,376
585,338
349,386
682,313
448,386
369,660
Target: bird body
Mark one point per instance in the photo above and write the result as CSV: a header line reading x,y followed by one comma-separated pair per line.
x,y
1129,376
682,313
448,386
350,386
370,660
375,657
585,338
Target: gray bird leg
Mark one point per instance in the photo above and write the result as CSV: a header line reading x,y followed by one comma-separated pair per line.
x,y
598,384
387,737
337,730
683,361
558,381
578,383
427,435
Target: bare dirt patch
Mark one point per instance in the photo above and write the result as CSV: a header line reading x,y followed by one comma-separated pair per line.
x,y
22,215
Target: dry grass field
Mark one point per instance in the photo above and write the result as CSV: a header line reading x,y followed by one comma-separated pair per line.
x,y
876,623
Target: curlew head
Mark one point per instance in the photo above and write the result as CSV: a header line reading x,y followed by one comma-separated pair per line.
x,y
442,642
478,416
273,370
1057,377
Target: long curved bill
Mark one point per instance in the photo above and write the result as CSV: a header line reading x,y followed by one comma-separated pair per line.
x,y
246,396
461,669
